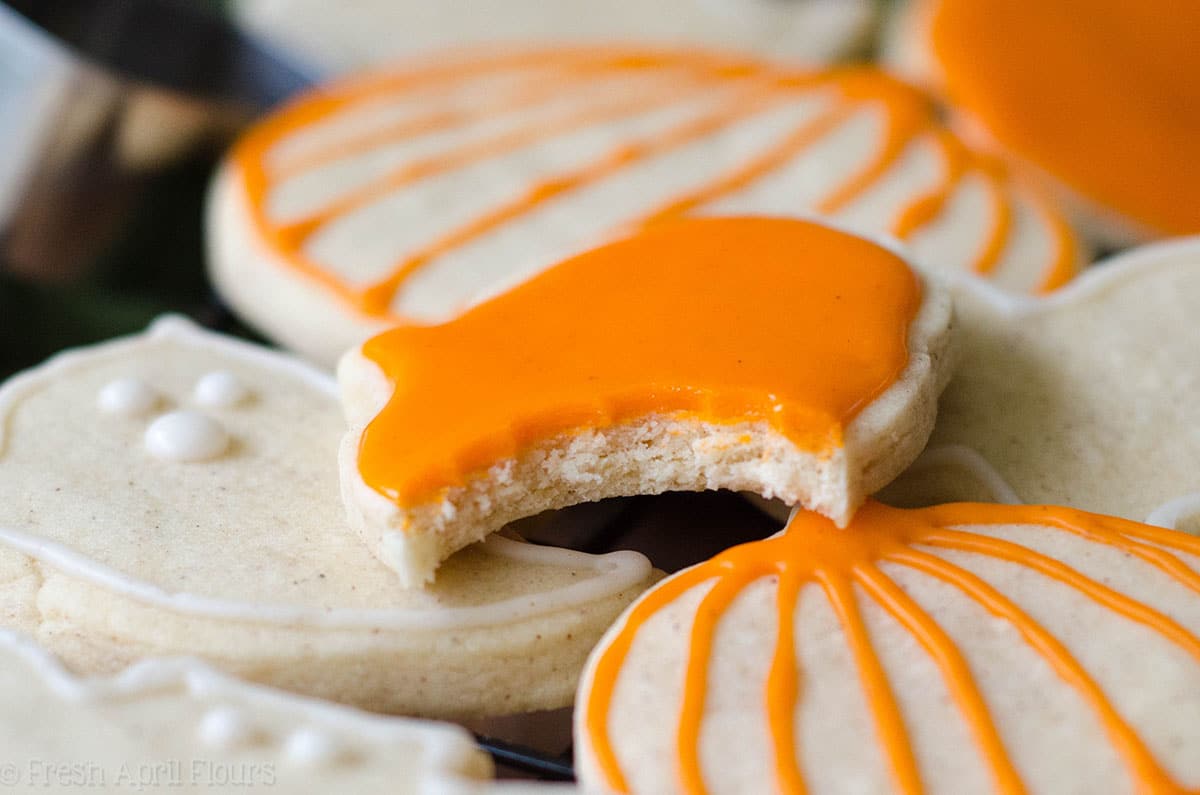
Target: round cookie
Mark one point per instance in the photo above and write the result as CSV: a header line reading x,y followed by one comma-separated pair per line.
x,y
777,356
176,493
414,193
1102,102
175,724
959,648
373,32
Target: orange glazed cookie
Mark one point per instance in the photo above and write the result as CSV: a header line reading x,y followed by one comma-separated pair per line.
x,y
413,194
1101,97
775,356
959,648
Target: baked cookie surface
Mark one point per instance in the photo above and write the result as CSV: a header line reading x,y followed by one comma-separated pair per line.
x,y
414,193
176,493
959,648
777,356
1084,398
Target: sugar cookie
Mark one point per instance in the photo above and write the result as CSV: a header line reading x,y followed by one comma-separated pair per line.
x,y
226,539
416,193
1085,398
174,724
777,356
959,648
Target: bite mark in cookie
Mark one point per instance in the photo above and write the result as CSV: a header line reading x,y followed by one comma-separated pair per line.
x,y
223,536
777,356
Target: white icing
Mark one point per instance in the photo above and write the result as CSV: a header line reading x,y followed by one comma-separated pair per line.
x,y
224,728
186,436
309,746
965,458
444,746
612,573
1172,512
127,397
220,390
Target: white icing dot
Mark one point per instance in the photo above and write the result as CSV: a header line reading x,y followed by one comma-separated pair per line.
x,y
186,436
224,728
310,747
220,390
127,397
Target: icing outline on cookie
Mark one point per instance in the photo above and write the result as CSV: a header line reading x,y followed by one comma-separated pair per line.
x,y
615,572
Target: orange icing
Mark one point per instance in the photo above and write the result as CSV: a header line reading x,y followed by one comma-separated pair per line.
x,y
749,87
1103,95
728,320
812,550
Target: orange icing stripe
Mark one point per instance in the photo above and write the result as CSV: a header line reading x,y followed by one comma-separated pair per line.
x,y
812,550
953,665
1103,95
880,698
380,295
1002,210
627,331
781,692
751,88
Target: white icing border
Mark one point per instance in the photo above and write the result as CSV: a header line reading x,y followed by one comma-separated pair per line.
x,y
1170,512
616,571
967,458
443,745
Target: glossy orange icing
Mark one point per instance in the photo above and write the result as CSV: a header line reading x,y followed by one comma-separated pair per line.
x,y
1103,95
728,320
749,87
812,550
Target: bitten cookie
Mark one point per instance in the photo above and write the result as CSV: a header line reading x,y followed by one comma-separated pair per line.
x,y
776,356
373,32
415,193
177,725
1102,103
1085,398
959,648
176,493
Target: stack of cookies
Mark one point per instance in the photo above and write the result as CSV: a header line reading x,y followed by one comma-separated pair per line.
x,y
548,276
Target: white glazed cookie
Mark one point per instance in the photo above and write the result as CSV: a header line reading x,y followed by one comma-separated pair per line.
x,y
959,648
1104,117
175,493
178,725
1085,398
371,32
417,192
777,356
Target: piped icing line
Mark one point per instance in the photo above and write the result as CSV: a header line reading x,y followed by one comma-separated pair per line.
x,y
1172,512
812,550
444,746
613,572
909,118
971,461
